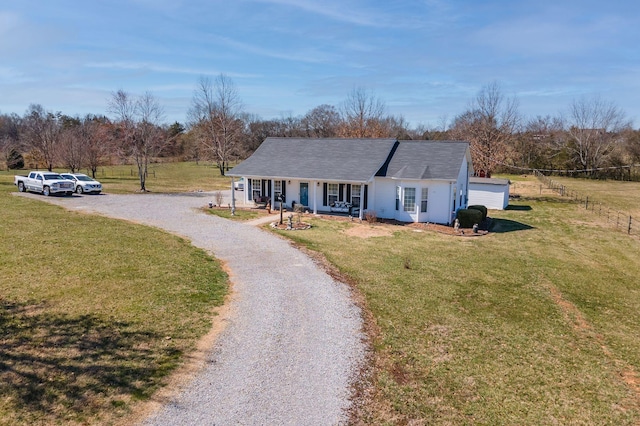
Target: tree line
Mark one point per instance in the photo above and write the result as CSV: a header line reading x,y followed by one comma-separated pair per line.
x,y
592,137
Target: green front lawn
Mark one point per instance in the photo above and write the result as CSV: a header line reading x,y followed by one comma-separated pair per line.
x,y
94,312
534,324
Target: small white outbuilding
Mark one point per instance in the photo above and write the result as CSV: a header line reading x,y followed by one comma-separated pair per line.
x,y
492,193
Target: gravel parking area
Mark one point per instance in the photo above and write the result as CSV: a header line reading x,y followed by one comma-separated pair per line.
x,y
294,339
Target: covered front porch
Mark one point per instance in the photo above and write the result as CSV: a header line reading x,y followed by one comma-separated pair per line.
x,y
349,198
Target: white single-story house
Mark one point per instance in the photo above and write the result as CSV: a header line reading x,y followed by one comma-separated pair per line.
x,y
410,181
492,193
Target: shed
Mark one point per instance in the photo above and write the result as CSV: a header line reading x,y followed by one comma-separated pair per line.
x,y
492,193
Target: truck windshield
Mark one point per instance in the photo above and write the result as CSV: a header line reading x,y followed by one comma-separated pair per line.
x,y
52,176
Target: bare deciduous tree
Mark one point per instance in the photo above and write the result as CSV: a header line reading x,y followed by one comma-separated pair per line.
x,y
541,144
42,133
95,141
70,150
594,128
10,140
362,115
321,122
140,134
215,117
489,125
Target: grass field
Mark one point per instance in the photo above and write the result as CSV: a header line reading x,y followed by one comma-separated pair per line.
x,y
533,324
162,177
623,196
94,312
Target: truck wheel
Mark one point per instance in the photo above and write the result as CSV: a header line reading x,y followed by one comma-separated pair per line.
x,y
79,189
21,187
46,191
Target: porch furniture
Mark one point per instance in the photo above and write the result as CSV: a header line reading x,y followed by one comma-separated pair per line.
x,y
261,202
344,207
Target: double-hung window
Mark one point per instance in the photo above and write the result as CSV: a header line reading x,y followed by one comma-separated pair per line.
x,y
256,188
277,189
424,199
332,193
409,199
355,195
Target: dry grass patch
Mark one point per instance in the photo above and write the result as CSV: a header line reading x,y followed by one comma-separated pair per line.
x,y
368,231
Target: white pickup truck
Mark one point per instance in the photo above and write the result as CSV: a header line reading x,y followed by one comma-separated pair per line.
x,y
47,183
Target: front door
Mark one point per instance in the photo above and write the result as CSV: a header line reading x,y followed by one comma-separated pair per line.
x,y
304,193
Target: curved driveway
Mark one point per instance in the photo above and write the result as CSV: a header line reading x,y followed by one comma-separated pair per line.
x,y
294,340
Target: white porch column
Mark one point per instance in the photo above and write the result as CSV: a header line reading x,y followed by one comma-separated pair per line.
x,y
233,197
315,198
360,214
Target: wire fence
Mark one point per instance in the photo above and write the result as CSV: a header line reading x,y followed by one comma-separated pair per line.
x,y
121,172
617,219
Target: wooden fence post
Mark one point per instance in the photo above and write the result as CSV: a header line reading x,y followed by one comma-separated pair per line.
x,y
629,228
586,203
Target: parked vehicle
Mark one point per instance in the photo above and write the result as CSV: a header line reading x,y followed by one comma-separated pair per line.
x,y
47,183
83,183
239,184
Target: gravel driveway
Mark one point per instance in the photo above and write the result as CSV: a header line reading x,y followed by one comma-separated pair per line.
x,y
294,340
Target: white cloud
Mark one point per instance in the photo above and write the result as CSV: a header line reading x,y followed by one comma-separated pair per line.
x,y
158,68
338,12
307,55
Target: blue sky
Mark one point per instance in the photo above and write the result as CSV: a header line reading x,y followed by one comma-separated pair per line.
x,y
425,59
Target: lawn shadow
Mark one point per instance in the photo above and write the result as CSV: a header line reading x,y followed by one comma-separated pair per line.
x,y
56,367
518,208
500,226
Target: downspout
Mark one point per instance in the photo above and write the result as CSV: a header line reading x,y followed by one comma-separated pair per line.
x,y
466,196
451,212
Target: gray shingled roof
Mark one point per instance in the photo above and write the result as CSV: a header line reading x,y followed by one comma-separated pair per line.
x,y
316,159
426,160
353,159
489,181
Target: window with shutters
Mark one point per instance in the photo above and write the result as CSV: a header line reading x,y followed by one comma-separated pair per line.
x,y
256,188
277,189
355,195
332,193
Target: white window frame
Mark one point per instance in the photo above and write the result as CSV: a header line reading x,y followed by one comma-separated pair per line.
x,y
355,195
277,188
409,202
256,188
332,193
424,200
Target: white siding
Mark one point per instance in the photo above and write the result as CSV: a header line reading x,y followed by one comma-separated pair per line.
x,y
463,185
489,195
438,210
385,198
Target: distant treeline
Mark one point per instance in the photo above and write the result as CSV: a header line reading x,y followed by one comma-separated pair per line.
x,y
592,138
